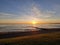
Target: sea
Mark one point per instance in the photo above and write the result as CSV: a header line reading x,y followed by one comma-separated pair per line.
x,y
25,27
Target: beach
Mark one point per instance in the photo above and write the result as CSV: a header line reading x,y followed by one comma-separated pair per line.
x,y
20,34
27,33
43,37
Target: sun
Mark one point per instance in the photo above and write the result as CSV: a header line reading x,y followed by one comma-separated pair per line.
x,y
34,22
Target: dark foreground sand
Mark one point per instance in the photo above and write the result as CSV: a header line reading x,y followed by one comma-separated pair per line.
x,y
41,37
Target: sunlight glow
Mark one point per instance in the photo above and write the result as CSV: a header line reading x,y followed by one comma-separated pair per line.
x,y
34,22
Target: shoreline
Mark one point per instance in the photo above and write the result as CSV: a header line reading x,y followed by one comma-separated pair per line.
x,y
17,34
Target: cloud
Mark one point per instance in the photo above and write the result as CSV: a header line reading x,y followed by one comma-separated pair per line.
x,y
32,13
38,13
7,16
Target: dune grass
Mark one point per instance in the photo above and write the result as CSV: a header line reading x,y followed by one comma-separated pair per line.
x,y
38,39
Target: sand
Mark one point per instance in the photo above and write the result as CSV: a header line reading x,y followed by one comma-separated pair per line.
x,y
18,34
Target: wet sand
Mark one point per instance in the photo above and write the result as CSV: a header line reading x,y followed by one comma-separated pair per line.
x,y
18,34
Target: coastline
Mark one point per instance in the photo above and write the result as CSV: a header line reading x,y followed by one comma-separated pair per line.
x,y
27,33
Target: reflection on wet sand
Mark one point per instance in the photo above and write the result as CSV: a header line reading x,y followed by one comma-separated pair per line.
x,y
33,32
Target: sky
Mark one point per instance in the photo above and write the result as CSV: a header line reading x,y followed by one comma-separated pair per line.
x,y
20,11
